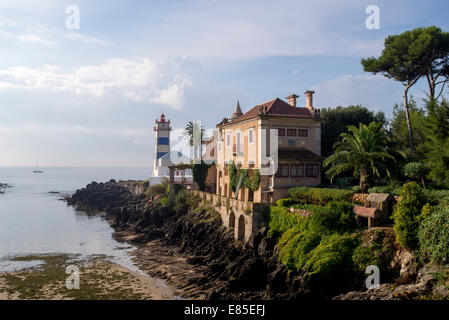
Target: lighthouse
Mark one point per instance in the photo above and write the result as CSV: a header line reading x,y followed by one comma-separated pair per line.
x,y
162,130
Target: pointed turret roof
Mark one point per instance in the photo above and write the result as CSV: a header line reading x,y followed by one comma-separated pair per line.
x,y
237,112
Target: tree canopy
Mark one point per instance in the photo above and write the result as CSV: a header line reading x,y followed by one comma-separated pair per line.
x,y
410,56
363,150
336,121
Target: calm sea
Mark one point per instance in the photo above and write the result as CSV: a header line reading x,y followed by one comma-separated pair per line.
x,y
34,221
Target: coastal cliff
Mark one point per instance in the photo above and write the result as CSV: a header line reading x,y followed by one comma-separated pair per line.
x,y
211,264
229,269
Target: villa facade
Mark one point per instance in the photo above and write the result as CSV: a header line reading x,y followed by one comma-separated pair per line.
x,y
245,140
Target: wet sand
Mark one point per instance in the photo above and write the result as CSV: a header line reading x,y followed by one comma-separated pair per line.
x,y
100,279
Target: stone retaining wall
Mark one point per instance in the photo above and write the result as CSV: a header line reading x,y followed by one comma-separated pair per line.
x,y
244,217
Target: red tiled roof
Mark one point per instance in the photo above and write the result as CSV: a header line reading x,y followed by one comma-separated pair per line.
x,y
277,107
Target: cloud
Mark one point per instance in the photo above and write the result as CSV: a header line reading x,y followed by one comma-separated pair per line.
x,y
144,80
87,39
35,39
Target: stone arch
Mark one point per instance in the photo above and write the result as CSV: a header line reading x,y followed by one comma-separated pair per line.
x,y
241,228
231,221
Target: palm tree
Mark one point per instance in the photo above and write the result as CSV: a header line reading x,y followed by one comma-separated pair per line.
x,y
363,149
197,136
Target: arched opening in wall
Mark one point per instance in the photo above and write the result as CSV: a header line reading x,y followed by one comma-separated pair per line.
x,y
241,231
225,190
232,221
242,193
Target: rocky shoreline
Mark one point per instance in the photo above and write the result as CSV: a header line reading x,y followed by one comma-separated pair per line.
x,y
192,251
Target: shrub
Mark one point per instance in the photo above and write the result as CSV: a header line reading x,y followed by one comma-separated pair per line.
x,y
298,194
155,190
287,202
295,246
181,197
395,191
416,171
376,248
193,201
319,195
335,216
281,220
332,257
308,207
165,202
434,236
364,256
406,215
439,197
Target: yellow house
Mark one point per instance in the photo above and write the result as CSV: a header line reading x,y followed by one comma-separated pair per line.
x,y
246,140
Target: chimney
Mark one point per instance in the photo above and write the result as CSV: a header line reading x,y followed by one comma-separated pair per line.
x,y
292,99
309,99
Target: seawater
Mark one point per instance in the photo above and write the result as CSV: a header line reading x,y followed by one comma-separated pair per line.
x,y
35,221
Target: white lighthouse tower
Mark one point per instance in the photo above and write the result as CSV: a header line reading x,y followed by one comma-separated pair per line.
x,y
162,148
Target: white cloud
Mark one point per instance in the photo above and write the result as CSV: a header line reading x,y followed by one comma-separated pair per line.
x,y
76,36
143,80
35,39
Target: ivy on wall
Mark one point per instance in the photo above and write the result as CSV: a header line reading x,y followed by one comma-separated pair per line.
x,y
242,176
199,173
253,182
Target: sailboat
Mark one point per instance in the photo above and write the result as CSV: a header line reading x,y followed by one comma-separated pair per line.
x,y
36,170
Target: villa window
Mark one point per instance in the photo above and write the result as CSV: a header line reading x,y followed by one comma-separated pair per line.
x,y
282,170
291,132
281,132
228,140
251,136
304,133
312,170
297,170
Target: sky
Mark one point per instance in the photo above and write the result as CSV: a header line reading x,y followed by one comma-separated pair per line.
x,y
89,96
